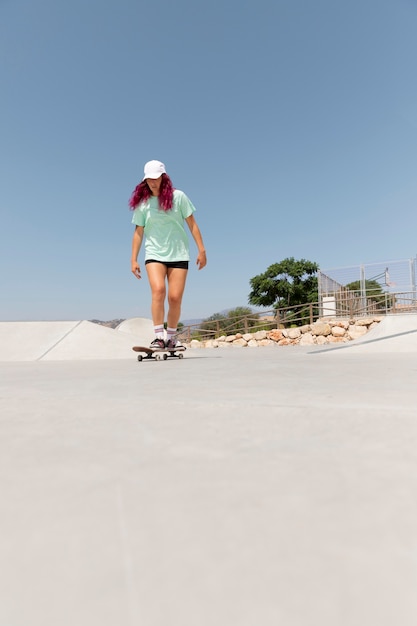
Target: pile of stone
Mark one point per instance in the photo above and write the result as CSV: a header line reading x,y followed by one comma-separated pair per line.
x,y
323,331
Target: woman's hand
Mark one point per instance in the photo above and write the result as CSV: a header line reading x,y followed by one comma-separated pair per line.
x,y
201,260
136,244
136,269
195,231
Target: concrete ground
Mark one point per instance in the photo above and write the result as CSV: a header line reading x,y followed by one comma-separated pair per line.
x,y
236,487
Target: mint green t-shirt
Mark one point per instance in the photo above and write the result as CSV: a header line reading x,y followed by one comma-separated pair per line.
x,y
165,236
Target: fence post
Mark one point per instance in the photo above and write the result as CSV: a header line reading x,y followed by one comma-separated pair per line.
x,y
319,288
413,278
363,289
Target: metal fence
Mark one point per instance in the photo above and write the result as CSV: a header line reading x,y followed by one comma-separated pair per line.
x,y
266,320
348,305
358,291
386,287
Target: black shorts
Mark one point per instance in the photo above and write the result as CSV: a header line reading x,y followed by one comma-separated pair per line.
x,y
182,265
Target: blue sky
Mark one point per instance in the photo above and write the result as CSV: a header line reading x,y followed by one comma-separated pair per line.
x,y
291,125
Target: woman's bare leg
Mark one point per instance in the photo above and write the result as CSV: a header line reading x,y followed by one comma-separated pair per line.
x,y
176,283
157,273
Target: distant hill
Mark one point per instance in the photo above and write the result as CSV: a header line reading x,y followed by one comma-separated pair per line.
x,y
191,322
110,324
115,323
224,313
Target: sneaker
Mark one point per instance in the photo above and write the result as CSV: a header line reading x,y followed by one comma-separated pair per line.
x,y
157,343
173,344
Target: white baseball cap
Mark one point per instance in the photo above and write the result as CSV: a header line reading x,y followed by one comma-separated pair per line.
x,y
154,169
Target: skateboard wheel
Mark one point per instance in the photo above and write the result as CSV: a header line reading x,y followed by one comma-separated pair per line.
x,y
140,357
165,356
180,356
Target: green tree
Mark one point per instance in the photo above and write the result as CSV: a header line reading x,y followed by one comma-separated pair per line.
x,y
373,291
213,323
236,317
285,284
372,287
231,322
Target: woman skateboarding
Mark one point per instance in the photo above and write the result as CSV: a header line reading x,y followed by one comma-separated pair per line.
x,y
159,213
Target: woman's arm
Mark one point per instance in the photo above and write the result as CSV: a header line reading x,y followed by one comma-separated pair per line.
x,y
195,231
136,244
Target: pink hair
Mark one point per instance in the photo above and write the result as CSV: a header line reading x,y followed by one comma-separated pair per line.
x,y
142,193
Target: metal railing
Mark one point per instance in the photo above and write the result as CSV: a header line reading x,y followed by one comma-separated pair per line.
x,y
267,320
345,304
356,304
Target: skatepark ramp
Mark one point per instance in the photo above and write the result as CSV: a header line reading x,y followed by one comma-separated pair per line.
x,y
71,340
84,340
396,333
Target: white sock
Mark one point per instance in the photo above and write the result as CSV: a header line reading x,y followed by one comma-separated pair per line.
x,y
171,332
159,331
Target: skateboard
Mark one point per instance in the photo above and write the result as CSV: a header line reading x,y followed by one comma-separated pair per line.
x,y
160,354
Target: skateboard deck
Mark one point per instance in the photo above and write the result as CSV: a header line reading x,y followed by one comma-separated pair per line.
x,y
160,354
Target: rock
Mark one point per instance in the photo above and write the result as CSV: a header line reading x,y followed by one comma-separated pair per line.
x,y
294,333
338,331
355,331
340,324
211,343
307,340
365,321
320,328
321,332
239,343
275,335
